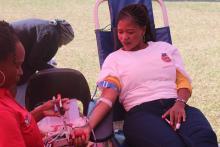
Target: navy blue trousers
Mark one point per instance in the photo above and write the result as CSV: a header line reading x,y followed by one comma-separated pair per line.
x,y
144,127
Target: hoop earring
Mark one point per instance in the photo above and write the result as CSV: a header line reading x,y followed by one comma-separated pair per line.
x,y
3,81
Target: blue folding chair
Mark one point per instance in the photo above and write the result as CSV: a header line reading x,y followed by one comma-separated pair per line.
x,y
107,40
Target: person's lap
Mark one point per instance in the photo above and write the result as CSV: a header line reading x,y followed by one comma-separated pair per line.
x,y
143,129
197,131
147,128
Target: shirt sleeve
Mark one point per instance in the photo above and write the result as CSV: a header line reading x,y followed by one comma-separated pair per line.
x,y
10,134
109,69
177,59
182,81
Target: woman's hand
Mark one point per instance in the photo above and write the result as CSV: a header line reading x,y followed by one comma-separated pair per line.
x,y
81,136
176,114
47,108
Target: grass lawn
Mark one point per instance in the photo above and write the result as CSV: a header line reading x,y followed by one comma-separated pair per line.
x,y
194,27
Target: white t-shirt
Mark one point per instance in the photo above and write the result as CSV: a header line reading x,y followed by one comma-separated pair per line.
x,y
145,75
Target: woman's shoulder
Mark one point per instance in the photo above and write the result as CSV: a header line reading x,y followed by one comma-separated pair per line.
x,y
115,54
6,111
162,45
6,107
159,43
113,58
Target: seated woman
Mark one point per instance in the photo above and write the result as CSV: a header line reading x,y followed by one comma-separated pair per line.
x,y
18,127
144,74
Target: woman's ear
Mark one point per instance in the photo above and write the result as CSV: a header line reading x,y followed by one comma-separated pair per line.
x,y
143,30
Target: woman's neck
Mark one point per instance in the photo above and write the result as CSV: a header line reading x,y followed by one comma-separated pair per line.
x,y
139,47
13,91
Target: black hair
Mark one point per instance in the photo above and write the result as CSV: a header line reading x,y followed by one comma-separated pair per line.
x,y
8,40
139,14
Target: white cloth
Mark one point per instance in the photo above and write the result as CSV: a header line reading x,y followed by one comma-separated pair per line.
x,y
71,117
144,75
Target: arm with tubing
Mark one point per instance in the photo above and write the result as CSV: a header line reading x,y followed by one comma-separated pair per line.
x,y
102,108
99,112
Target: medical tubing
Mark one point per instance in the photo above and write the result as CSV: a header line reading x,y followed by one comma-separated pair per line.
x,y
92,98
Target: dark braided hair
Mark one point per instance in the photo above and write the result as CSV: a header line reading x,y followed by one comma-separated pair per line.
x,y
8,40
139,14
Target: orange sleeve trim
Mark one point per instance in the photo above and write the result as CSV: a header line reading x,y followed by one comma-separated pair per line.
x,y
113,80
182,81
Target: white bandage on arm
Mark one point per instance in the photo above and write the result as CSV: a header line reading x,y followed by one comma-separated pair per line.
x,y
106,101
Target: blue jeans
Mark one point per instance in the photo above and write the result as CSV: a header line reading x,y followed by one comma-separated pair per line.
x,y
144,127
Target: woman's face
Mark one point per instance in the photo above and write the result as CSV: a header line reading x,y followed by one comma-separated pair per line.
x,y
130,35
11,67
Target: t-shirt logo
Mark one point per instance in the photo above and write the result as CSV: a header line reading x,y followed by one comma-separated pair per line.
x,y
165,57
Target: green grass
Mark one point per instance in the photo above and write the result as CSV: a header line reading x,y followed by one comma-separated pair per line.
x,y
194,27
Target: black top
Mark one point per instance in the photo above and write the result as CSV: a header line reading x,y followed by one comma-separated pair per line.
x,y
40,40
